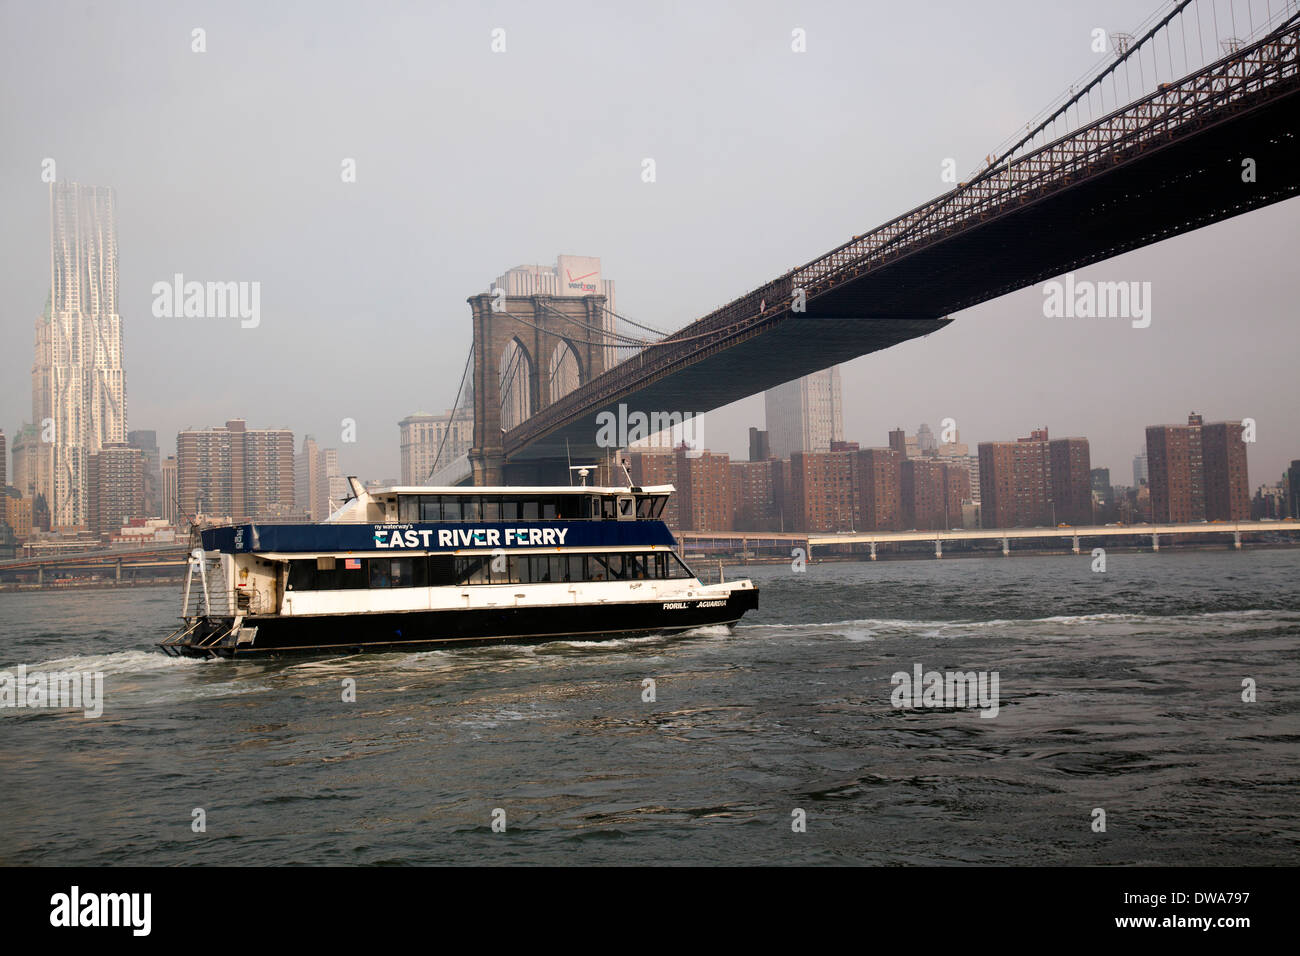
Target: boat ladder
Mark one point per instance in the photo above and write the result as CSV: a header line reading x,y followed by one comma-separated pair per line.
x,y
176,638
220,634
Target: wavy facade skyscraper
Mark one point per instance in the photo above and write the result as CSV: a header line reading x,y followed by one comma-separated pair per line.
x,y
78,383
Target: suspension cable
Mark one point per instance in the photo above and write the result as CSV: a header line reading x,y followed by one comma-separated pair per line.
x,y
446,432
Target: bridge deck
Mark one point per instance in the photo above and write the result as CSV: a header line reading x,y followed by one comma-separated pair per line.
x,y
1166,164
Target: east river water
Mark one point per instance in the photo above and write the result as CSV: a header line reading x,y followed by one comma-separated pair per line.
x,y
1119,691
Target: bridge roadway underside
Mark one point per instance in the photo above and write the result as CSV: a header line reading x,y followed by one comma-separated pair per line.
x,y
1170,184
756,364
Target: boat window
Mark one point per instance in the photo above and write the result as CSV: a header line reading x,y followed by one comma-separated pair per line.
x,y
442,570
491,509
445,570
430,508
380,572
402,573
528,509
661,566
503,570
637,566
470,508
660,503
539,570
613,566
668,565
408,508
626,507
473,570
550,509
645,507
593,507
678,569
419,573
509,509
450,508
302,576
349,574
607,509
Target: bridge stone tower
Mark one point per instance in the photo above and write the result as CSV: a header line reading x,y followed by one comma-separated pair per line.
x,y
555,339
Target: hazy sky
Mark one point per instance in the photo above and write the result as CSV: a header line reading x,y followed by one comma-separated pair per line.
x,y
227,168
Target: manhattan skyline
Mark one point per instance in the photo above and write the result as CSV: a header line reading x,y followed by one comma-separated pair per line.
x,y
230,171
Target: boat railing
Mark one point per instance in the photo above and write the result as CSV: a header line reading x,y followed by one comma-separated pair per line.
x,y
221,602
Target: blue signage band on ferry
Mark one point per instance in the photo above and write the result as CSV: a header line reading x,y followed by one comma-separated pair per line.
x,y
291,538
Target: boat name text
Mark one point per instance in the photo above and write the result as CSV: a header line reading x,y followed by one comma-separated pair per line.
x,y
469,537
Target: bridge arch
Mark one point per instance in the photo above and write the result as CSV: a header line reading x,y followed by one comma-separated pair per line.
x,y
565,371
515,382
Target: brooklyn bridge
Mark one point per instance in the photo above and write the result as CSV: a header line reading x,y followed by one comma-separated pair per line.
x,y
1183,125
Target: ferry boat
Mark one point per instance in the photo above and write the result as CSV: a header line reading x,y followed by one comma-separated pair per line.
x,y
410,568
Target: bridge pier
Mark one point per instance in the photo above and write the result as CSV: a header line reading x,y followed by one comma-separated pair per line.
x,y
873,551
40,575
118,571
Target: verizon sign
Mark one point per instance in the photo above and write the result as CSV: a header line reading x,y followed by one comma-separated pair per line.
x,y
579,275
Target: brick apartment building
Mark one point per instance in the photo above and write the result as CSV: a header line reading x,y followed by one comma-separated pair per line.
x,y
1197,472
235,472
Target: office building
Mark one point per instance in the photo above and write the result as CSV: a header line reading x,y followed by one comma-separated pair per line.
x,y
167,488
78,383
804,415
318,485
1140,471
18,514
147,442
431,442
